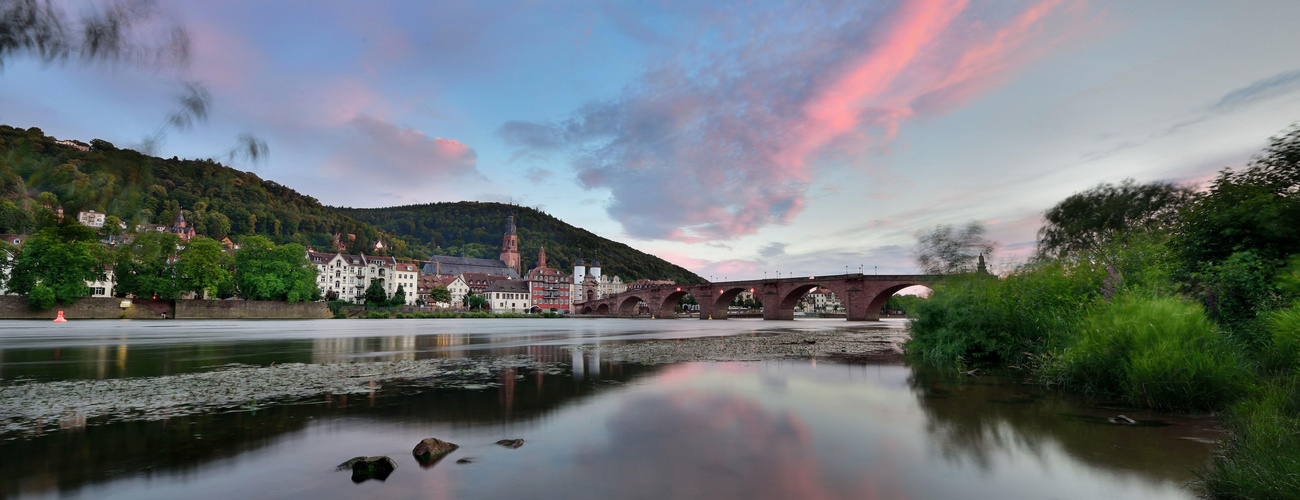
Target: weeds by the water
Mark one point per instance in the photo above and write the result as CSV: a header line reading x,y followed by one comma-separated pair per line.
x,y
1162,353
1260,460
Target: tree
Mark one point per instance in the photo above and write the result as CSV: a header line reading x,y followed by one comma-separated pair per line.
x,y
399,297
476,302
375,294
1087,221
440,295
60,258
947,250
1235,239
112,226
147,266
217,225
203,268
264,271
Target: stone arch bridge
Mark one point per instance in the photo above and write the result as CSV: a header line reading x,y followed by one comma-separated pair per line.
x,y
862,296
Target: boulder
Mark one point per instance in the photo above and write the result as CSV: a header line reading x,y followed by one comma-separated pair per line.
x,y
466,460
511,443
366,468
430,450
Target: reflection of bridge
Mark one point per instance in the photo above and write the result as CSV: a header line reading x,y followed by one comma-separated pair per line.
x,y
862,295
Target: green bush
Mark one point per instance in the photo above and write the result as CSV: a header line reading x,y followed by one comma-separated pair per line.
x,y
980,320
41,298
1284,333
1261,458
1160,353
377,315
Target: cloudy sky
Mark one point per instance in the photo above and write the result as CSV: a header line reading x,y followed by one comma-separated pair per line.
x,y
737,140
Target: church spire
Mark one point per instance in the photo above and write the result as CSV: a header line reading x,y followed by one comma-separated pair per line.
x,y
541,257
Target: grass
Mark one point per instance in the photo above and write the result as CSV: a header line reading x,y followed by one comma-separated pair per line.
x,y
1161,353
1262,457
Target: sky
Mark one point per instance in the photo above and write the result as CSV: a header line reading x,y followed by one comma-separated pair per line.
x,y
739,140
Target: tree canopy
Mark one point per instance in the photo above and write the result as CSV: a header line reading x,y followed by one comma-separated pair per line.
x,y
945,249
1087,221
60,260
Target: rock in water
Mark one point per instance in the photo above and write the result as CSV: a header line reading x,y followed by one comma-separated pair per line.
x,y
466,460
430,450
365,468
511,443
1122,420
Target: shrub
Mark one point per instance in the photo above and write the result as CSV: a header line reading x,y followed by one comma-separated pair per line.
x,y
376,315
1161,353
1284,332
41,298
1259,458
982,320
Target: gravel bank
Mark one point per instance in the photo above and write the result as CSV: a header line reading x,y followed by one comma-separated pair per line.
x,y
840,344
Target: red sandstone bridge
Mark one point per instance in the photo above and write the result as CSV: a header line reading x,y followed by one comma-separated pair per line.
x,y
862,296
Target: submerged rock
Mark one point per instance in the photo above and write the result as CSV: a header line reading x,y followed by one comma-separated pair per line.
x,y
511,443
430,450
467,460
366,468
1122,420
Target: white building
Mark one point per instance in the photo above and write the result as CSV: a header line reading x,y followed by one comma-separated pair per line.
x,y
509,296
349,275
91,218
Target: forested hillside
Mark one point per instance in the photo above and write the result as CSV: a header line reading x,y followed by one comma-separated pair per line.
x,y
475,228
217,200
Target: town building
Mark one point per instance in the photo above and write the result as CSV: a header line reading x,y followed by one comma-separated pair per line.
x,y
180,227
510,247
478,283
590,284
347,276
549,289
91,218
455,285
509,296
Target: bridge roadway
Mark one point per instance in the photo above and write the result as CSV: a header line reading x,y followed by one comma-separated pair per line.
x,y
862,296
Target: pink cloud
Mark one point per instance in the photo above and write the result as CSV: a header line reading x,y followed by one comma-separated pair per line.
x,y
717,144
378,153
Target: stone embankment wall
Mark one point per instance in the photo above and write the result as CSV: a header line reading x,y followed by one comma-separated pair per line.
x,y
250,309
15,307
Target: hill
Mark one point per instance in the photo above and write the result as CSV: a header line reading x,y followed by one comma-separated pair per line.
x,y
218,201
475,228
37,170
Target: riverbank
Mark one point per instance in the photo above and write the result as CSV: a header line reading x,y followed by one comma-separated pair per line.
x,y
15,307
28,404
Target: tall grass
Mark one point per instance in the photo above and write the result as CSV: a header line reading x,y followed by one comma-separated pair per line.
x,y
979,320
1261,458
1161,353
1284,336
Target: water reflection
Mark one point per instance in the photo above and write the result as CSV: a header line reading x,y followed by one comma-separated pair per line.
x,y
775,429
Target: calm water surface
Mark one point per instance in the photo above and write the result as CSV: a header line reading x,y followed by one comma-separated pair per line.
x,y
806,428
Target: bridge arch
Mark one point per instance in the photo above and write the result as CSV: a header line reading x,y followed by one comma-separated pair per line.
x,y
668,309
878,302
722,302
628,305
602,309
586,310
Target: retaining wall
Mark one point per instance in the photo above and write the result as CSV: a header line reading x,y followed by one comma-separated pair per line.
x,y
15,307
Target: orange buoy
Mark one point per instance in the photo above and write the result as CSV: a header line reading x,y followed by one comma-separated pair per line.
x,y
60,319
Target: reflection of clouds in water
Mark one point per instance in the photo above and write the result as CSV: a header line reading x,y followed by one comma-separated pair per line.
x,y
704,445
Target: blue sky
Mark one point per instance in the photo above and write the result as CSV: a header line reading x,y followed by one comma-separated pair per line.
x,y
733,139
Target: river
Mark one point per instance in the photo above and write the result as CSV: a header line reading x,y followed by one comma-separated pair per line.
x,y
113,409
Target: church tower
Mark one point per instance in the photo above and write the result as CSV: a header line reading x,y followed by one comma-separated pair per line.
x,y
510,246
541,258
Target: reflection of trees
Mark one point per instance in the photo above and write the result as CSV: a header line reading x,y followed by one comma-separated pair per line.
x,y
69,459
977,418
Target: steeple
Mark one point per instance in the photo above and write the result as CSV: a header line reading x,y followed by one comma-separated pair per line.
x,y
541,257
510,247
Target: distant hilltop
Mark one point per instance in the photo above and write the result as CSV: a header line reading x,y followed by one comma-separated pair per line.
x,y
40,175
